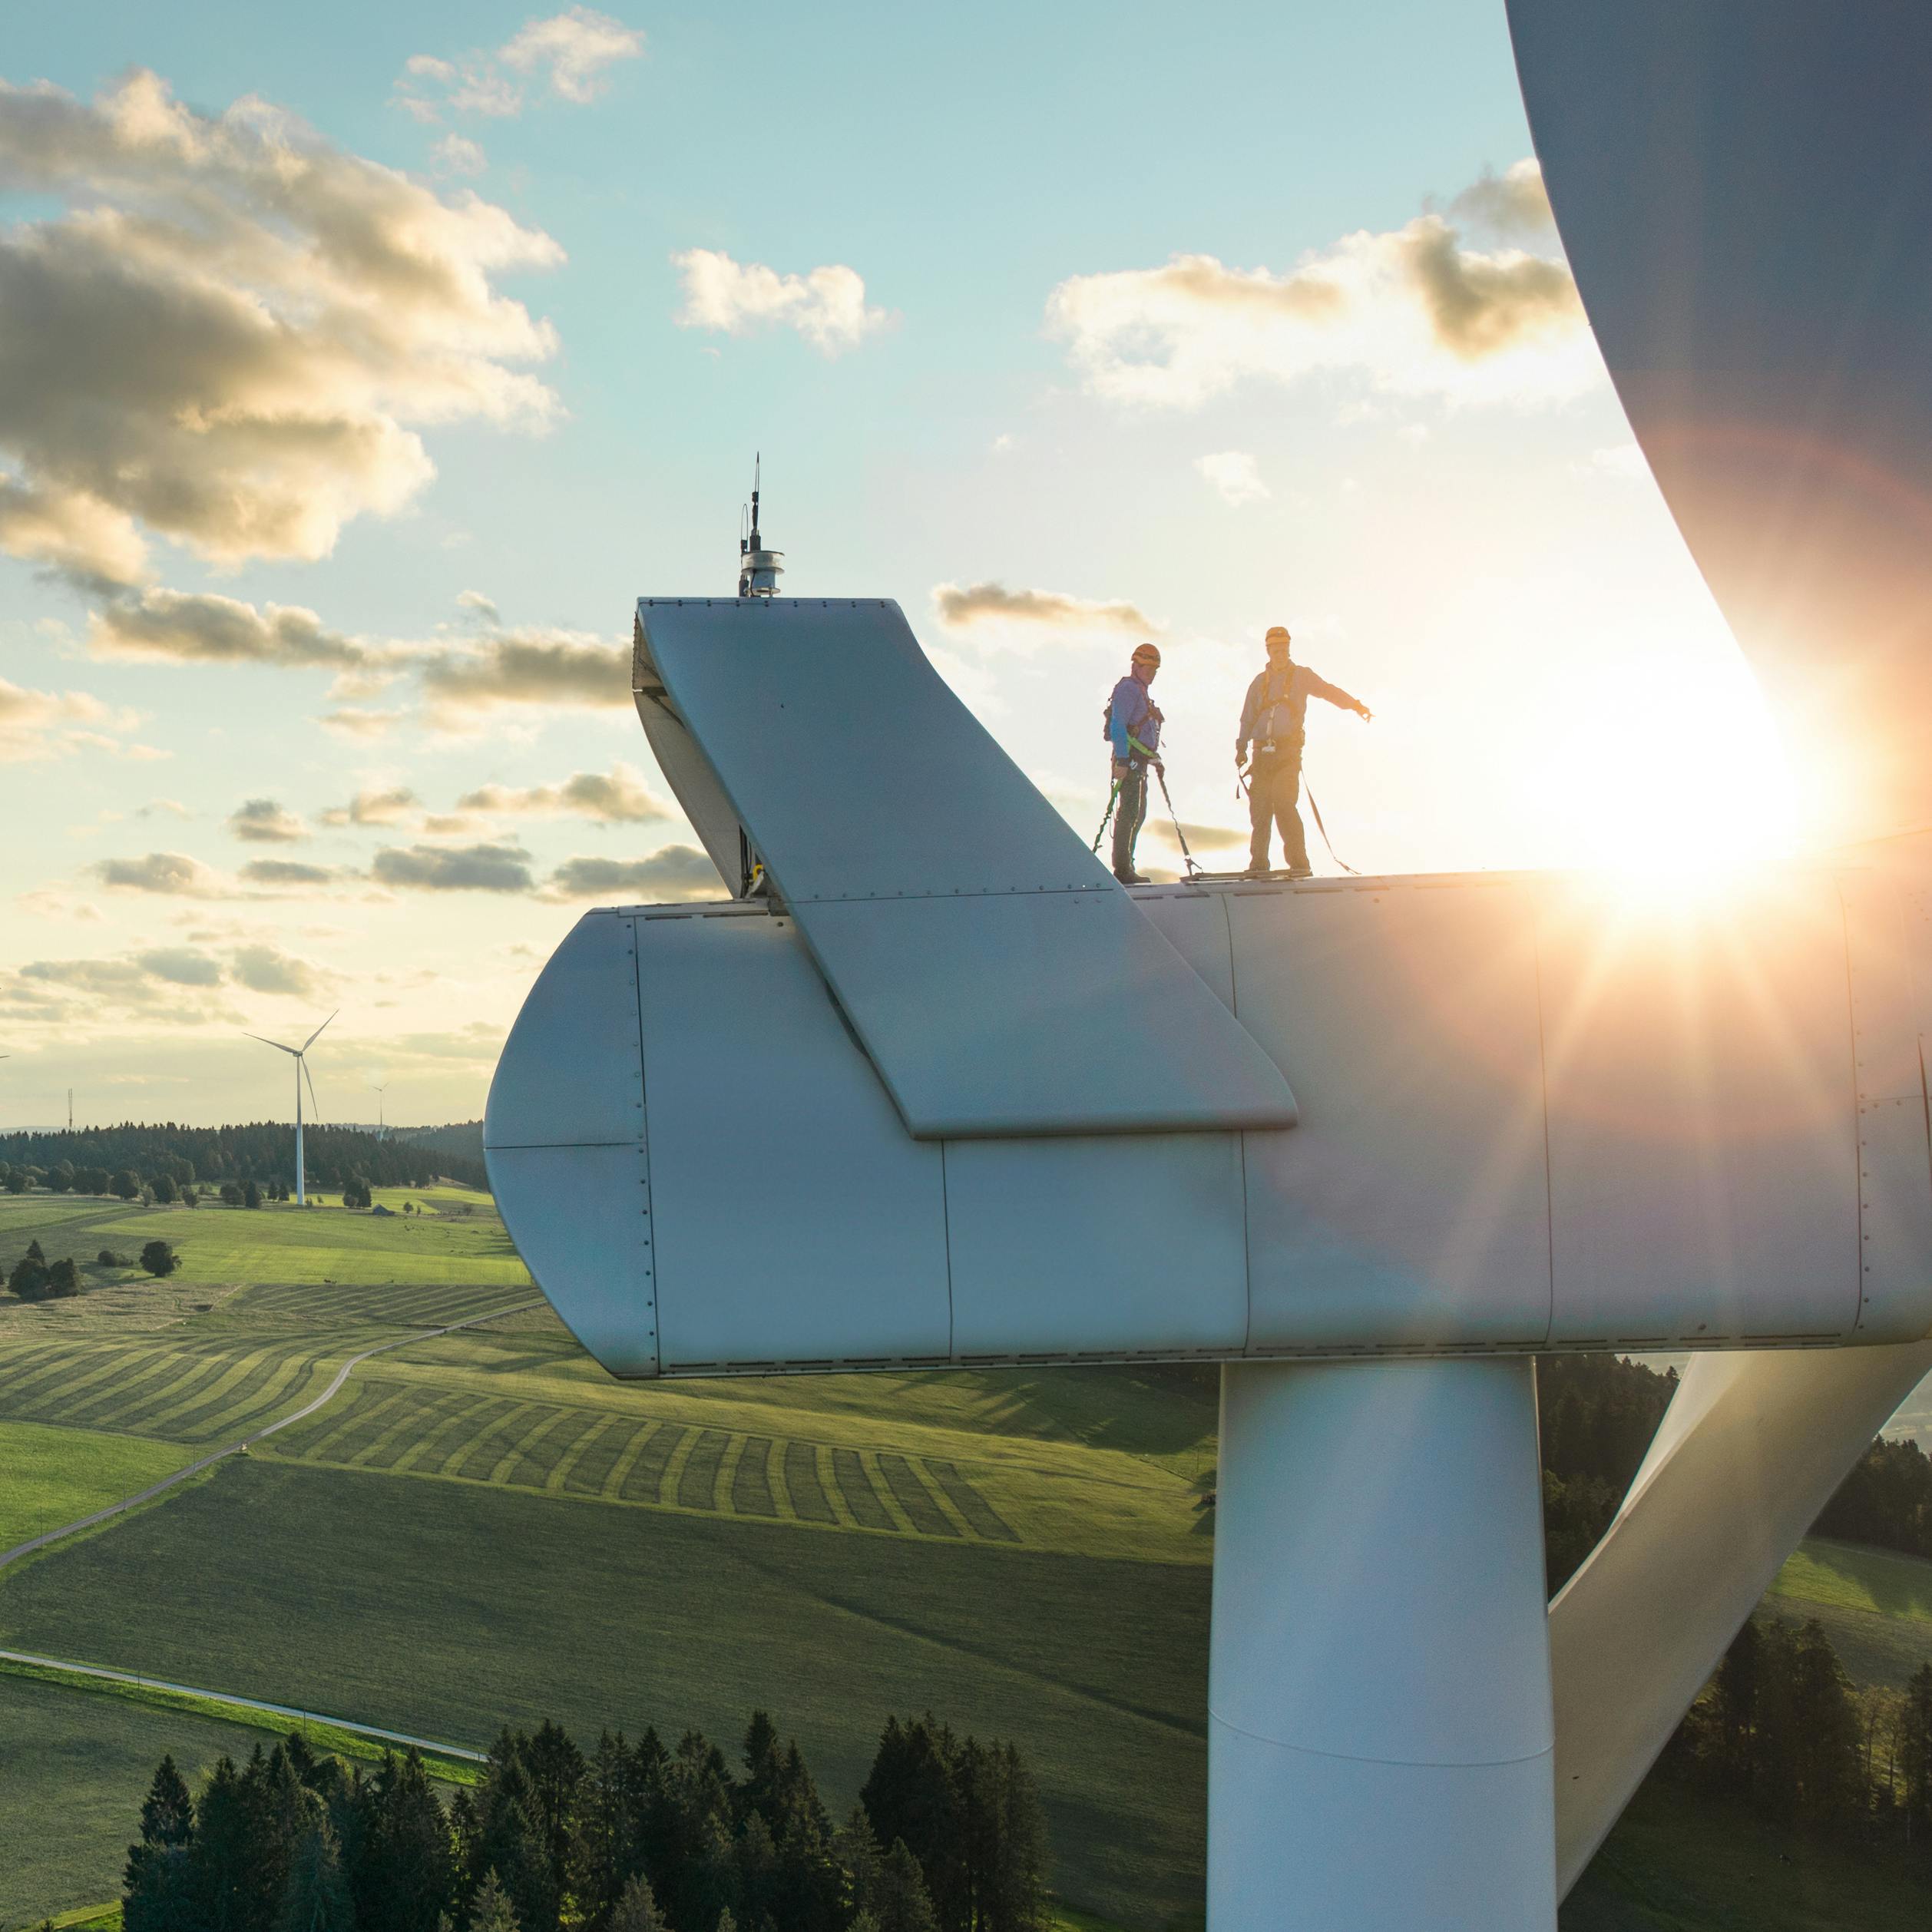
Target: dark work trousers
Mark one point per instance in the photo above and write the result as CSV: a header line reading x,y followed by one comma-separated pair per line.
x,y
1274,784
1129,809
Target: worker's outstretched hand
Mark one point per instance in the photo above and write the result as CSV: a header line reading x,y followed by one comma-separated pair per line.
x,y
1366,715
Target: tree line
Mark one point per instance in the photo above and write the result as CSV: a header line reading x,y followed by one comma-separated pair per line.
x,y
260,1150
1597,1414
947,1836
1781,1729
34,1277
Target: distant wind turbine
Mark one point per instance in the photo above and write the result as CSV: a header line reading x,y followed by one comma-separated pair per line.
x,y
379,1092
301,1073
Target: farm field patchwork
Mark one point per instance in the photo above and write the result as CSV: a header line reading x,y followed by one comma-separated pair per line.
x,y
449,1608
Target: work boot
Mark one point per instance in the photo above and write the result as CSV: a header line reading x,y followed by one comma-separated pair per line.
x,y
1257,870
1299,872
1131,879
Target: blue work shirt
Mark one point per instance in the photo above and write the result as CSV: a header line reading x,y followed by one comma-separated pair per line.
x,y
1133,715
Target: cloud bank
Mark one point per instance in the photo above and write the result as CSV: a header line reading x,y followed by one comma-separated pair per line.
x,y
1415,310
231,331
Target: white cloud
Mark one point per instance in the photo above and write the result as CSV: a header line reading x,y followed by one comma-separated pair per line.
x,y
573,48
394,806
827,306
262,821
39,725
969,606
570,54
618,796
1413,311
1513,202
526,667
454,868
664,877
457,154
353,721
1236,474
229,333
194,627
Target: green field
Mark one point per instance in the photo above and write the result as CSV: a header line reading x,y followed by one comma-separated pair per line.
x,y
449,1608
1679,1861
74,1769
49,1476
280,1242
482,1527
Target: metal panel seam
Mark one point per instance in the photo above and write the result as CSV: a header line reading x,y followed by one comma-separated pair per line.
x,y
1858,1112
644,1153
1542,1084
1247,1227
946,1241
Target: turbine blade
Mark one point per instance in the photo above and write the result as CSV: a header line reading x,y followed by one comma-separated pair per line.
x,y
276,1043
317,1034
314,1105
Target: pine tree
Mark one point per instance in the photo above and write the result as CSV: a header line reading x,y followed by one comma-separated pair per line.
x,y
492,1911
317,1896
406,1873
902,1903
607,1833
508,1841
156,1894
637,1910
1915,1750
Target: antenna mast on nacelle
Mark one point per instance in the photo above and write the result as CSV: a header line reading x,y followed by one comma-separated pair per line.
x,y
759,569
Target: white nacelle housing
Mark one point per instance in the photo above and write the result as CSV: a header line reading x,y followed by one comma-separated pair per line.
x,y
1529,1119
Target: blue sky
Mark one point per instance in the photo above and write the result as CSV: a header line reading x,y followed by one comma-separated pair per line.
x,y
1395,437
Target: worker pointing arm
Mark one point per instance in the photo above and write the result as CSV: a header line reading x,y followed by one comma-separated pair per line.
x,y
1274,721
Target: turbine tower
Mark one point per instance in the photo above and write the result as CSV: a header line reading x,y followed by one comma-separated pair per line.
x,y
378,1091
300,1056
1397,1136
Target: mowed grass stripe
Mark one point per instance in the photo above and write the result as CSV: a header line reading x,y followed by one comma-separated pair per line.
x,y
388,1411
533,1432
588,1475
415,1423
643,1480
697,1487
233,1391
568,1464
980,1516
751,1481
132,1373
156,1379
428,1454
915,1498
50,1369
802,1484
476,1456
160,1393
255,1386
856,1487
540,1455
361,1422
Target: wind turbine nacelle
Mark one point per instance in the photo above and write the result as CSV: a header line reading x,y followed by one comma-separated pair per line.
x,y
1524,1117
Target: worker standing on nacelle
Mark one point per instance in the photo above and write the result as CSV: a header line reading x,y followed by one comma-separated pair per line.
x,y
1274,720
1133,729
